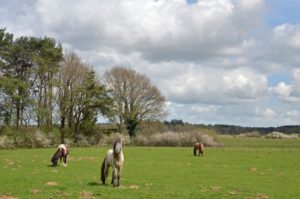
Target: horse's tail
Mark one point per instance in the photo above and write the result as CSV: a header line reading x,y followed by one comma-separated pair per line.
x,y
103,171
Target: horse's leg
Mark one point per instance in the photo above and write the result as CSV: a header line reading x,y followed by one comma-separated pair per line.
x,y
119,176
115,181
113,176
65,160
195,151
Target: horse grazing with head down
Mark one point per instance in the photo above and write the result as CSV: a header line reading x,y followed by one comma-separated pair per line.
x,y
62,152
200,147
114,158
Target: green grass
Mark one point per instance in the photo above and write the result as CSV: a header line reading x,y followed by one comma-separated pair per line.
x,y
229,172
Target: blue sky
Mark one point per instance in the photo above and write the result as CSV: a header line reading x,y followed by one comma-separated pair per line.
x,y
283,12
216,61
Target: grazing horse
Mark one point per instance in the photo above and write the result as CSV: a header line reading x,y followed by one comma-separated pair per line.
x,y
61,153
114,158
200,147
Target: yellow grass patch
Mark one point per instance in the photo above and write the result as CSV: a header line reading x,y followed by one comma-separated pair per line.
x,y
215,188
86,195
51,183
262,196
233,192
129,187
252,169
7,197
34,191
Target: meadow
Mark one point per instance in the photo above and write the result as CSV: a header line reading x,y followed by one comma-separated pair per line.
x,y
248,168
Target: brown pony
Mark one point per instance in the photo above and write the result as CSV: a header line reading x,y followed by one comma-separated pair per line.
x,y
62,152
200,147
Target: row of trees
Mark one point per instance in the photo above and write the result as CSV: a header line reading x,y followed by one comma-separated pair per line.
x,y
41,86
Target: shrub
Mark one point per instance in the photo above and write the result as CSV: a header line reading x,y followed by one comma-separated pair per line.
x,y
109,139
6,142
278,135
176,139
251,134
36,138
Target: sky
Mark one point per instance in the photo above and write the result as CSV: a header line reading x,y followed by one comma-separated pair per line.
x,y
230,62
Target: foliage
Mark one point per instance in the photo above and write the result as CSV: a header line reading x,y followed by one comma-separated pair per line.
x,y
27,80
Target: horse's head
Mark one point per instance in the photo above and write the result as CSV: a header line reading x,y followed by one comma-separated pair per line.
x,y
118,145
56,156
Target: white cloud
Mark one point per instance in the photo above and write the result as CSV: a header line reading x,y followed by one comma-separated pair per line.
x,y
159,30
197,84
289,93
267,112
284,45
211,59
292,113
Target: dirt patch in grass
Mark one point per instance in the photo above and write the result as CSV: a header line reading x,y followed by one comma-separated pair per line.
x,y
233,192
86,195
51,183
259,196
262,196
35,191
252,169
215,188
129,187
7,197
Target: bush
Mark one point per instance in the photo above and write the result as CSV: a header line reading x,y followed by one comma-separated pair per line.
x,y
110,139
32,138
253,134
176,139
6,142
279,135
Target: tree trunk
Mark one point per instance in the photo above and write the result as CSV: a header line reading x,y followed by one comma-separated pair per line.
x,y
49,101
62,129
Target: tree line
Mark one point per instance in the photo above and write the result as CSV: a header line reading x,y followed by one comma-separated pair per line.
x,y
235,130
42,86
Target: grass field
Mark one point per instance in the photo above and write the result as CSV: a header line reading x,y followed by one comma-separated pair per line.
x,y
244,168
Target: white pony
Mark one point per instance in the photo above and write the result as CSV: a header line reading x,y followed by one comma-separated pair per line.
x,y
114,158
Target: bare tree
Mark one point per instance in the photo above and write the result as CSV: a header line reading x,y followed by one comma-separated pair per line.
x,y
135,98
69,76
81,96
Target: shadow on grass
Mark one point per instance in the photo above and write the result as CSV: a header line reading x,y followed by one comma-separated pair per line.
x,y
95,184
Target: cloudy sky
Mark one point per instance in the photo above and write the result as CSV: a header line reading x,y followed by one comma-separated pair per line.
x,y
216,61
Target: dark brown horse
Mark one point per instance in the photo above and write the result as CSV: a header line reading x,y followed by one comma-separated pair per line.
x,y
61,153
200,147
114,158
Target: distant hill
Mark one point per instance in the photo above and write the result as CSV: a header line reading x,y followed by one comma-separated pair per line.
x,y
178,125
233,130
